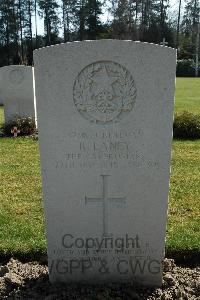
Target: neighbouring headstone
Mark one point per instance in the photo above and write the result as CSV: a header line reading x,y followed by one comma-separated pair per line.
x,y
105,112
16,91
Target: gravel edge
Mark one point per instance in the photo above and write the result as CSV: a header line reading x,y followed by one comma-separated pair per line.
x,y
29,280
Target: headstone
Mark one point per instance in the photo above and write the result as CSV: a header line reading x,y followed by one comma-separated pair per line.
x,y
16,91
105,113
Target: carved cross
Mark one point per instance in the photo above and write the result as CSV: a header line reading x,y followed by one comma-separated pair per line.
x,y
164,43
104,200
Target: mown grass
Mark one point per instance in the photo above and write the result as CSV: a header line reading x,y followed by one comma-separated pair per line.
x,y
184,206
1,116
187,95
21,211
21,206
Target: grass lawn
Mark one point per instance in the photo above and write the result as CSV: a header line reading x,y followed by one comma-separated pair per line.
x,y
1,116
21,206
187,95
21,212
184,205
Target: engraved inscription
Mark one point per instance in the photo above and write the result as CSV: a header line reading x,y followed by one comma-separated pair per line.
x,y
104,201
104,92
105,149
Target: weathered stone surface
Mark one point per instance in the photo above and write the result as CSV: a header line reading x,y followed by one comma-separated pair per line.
x,y
16,91
105,111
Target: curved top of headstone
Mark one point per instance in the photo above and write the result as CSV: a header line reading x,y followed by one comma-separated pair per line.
x,y
15,67
106,42
102,73
14,75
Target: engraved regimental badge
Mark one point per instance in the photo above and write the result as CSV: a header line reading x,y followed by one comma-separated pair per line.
x,y
104,92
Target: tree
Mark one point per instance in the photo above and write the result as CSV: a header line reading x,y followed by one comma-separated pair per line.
x,y
144,20
190,17
121,19
48,10
189,29
93,11
67,18
28,9
80,15
9,26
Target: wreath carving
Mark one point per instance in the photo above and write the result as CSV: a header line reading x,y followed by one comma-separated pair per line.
x,y
104,92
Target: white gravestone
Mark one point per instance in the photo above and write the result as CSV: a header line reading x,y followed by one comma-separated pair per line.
x,y
105,113
16,91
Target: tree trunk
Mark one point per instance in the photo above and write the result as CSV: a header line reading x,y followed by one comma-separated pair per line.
x,y
31,34
21,30
36,38
64,17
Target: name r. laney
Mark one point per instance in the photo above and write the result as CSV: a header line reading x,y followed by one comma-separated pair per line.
x,y
111,146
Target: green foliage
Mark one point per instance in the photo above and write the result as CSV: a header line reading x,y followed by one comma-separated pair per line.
x,y
185,68
186,126
85,19
26,126
190,20
190,17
